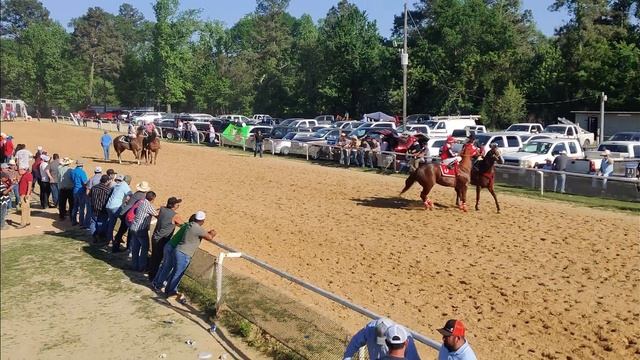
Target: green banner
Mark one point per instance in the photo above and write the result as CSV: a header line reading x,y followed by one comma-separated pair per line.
x,y
236,134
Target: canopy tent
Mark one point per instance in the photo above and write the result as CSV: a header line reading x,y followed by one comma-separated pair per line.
x,y
379,116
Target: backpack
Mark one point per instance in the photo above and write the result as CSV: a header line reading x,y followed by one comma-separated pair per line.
x,y
131,214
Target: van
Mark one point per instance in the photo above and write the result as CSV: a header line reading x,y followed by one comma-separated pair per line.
x,y
444,125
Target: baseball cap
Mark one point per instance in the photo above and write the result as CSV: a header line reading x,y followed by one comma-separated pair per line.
x,y
452,328
172,201
396,334
98,170
382,325
4,165
44,158
200,215
119,177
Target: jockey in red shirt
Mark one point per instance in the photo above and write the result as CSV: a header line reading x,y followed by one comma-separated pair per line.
x,y
447,156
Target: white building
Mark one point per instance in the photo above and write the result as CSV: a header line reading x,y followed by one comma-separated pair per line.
x,y
614,121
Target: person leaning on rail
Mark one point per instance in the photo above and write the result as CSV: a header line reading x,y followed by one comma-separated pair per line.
x,y
373,336
454,345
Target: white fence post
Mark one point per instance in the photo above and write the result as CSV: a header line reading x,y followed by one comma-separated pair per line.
x,y
306,146
541,182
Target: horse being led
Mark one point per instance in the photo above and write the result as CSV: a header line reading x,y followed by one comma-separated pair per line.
x,y
483,173
428,175
121,143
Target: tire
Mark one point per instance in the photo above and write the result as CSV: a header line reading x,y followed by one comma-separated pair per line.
x,y
170,135
284,150
201,137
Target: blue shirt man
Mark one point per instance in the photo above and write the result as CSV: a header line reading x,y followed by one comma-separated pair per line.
x,y
120,190
105,142
372,335
79,177
454,345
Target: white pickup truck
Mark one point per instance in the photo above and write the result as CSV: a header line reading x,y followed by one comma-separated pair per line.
x,y
535,152
570,131
622,153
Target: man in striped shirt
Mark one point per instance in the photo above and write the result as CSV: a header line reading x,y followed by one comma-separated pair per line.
x,y
139,231
5,189
98,197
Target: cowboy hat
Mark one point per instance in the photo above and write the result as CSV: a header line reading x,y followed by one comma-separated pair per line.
x,y
66,161
143,186
12,162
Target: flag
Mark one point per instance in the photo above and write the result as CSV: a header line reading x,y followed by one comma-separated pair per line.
x,y
236,134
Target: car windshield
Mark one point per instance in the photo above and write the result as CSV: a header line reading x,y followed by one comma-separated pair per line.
x,y
629,136
432,124
555,129
614,148
536,147
289,136
483,139
518,128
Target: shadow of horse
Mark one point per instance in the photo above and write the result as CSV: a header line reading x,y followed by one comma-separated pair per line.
x,y
394,203
103,161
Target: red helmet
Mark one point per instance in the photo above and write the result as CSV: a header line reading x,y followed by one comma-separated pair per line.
x,y
450,139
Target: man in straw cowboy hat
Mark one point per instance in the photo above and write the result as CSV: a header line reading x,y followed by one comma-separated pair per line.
x,y
141,191
606,167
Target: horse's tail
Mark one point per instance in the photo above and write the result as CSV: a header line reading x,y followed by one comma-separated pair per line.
x,y
409,182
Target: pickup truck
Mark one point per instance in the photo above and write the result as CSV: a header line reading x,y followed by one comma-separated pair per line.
x,y
565,131
535,152
623,154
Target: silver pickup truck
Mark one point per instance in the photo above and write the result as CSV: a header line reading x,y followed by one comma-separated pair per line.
x,y
625,156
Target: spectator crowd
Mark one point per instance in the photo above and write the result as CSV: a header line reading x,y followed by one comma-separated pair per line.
x,y
97,204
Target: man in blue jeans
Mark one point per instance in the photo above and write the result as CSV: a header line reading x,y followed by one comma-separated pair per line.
x,y
184,251
79,179
105,142
139,231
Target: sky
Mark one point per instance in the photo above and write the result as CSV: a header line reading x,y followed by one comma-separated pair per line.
x,y
230,11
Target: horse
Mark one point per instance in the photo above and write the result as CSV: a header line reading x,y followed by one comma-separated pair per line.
x,y
151,145
482,175
430,174
120,144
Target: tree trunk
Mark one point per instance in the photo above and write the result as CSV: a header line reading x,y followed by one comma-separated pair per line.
x,y
168,108
91,71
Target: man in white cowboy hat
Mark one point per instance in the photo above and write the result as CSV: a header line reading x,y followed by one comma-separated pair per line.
x,y
141,191
606,167
65,185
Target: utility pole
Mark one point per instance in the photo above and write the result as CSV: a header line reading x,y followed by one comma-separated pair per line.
x,y
603,98
404,60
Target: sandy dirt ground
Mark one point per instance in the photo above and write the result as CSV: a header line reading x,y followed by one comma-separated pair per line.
x,y
542,279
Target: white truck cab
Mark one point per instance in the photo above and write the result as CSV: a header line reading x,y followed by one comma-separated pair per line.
x,y
444,125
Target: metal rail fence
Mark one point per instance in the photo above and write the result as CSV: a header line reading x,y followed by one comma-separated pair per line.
x,y
613,187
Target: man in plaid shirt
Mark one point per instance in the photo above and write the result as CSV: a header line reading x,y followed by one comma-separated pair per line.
x,y
139,231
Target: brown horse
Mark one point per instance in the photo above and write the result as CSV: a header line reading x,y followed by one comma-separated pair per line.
x,y
430,174
482,175
151,148
121,144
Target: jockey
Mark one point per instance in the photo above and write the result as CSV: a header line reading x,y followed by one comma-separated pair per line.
x,y
471,143
150,127
418,150
447,156
131,132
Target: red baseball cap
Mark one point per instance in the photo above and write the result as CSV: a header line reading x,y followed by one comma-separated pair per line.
x,y
452,328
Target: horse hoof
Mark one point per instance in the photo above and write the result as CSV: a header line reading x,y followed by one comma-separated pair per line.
x,y
477,208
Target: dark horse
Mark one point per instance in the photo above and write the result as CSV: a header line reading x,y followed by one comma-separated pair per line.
x,y
151,147
430,174
120,144
483,173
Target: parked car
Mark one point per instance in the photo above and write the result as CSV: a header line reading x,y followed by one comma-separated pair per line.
x,y
238,119
346,126
528,137
525,127
283,145
536,152
149,116
418,118
378,124
414,129
569,130
278,132
87,114
329,118
320,135
444,125
434,146
507,142
476,129
460,134
361,132
626,136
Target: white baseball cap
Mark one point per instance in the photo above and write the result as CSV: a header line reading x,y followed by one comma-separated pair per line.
x,y
200,215
396,334
98,170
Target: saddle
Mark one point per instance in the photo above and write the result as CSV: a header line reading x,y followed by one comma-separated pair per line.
x,y
449,171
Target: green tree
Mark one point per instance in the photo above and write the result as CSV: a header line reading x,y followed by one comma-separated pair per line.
x,y
99,43
505,110
171,34
17,15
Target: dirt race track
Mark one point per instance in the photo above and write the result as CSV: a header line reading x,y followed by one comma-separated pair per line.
x,y
542,279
